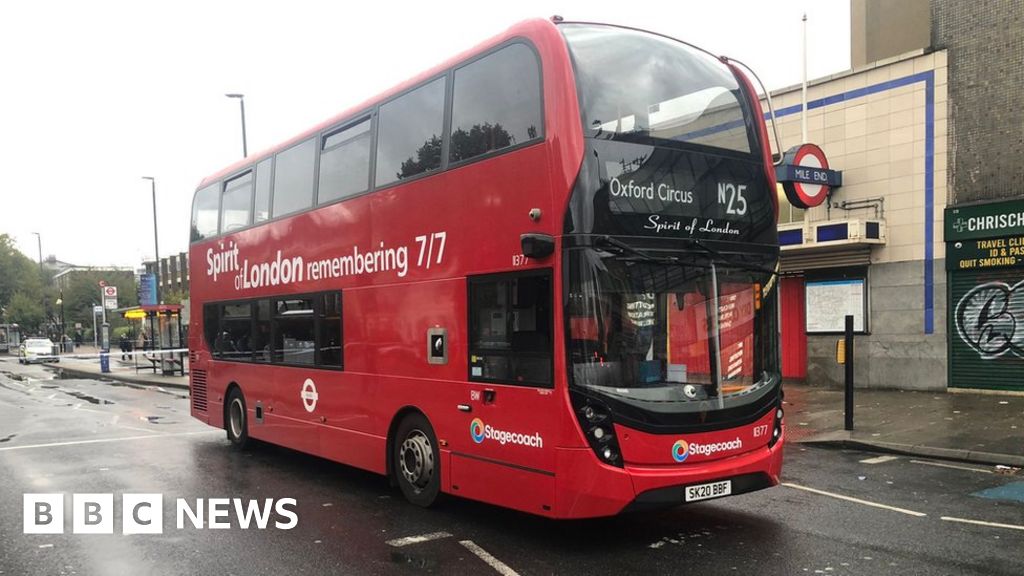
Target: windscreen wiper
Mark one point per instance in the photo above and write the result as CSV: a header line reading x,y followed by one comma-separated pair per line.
x,y
622,246
727,260
715,255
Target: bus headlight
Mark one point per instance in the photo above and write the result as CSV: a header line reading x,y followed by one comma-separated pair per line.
x,y
777,427
596,422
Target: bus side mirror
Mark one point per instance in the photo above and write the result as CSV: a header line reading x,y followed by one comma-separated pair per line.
x,y
537,245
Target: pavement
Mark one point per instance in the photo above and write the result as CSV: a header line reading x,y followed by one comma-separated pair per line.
x,y
966,426
85,363
961,425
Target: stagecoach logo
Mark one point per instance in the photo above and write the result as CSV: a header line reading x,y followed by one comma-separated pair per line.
x,y
480,432
682,449
476,430
309,395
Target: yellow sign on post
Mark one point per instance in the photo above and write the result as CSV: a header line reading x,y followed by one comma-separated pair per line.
x,y
841,351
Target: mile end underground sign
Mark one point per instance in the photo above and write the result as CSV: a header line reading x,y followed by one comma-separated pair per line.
x,y
805,176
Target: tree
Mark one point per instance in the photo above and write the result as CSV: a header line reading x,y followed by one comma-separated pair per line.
x,y
174,296
26,311
83,292
17,272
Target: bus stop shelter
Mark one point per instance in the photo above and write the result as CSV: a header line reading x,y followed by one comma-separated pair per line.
x,y
164,343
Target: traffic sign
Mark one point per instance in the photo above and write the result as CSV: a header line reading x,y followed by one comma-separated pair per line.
x,y
110,292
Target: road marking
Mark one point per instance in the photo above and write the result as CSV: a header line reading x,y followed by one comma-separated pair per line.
x,y
852,499
103,440
953,466
879,459
983,523
399,542
139,429
493,562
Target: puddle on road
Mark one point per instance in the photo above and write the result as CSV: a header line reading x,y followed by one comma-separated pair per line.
x,y
7,438
157,420
429,564
87,398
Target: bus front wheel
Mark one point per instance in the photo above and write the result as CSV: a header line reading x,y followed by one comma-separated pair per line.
x,y
236,420
416,461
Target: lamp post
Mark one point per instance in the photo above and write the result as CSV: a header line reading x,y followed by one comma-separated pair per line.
x,y
39,240
241,102
156,240
60,302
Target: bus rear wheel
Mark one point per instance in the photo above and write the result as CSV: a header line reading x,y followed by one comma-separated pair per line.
x,y
416,461
236,420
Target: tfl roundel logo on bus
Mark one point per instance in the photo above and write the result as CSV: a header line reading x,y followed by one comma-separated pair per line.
x,y
476,430
680,450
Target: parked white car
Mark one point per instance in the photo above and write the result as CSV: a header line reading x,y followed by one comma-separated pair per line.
x,y
37,350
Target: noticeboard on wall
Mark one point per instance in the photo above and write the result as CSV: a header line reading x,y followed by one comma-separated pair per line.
x,y
828,302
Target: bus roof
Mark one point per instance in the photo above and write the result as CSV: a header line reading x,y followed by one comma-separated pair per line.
x,y
532,28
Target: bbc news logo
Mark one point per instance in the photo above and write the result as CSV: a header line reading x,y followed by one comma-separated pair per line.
x,y
144,513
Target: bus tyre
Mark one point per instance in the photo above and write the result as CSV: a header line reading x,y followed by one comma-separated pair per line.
x,y
236,420
416,461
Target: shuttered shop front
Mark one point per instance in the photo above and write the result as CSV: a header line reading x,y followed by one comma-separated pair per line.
x,y
986,320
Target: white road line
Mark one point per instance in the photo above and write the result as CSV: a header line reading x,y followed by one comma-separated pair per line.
x,y
879,459
104,440
852,499
138,429
493,562
983,523
953,466
399,542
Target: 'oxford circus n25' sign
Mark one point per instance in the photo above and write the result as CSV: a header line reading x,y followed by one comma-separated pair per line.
x,y
805,176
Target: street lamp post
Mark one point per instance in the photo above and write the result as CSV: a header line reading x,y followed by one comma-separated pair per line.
x,y
39,240
60,302
241,101
156,240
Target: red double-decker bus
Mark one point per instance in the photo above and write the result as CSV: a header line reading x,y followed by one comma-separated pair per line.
x,y
541,275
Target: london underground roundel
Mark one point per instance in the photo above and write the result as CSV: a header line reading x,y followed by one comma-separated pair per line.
x,y
805,176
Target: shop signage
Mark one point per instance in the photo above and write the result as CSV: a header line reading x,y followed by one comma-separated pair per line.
x,y
984,253
985,220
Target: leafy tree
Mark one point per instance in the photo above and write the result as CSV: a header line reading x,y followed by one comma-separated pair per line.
x,y
174,296
428,157
17,272
26,311
83,292
479,139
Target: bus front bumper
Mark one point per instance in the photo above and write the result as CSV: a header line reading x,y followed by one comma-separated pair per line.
x,y
589,488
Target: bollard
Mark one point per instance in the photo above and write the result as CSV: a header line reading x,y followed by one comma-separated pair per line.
x,y
848,367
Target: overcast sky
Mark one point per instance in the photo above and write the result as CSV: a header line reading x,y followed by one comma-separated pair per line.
x,y
94,95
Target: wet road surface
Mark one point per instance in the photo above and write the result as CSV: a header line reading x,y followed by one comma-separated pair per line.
x,y
839,512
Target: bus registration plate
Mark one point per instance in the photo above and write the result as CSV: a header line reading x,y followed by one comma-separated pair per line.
x,y
707,491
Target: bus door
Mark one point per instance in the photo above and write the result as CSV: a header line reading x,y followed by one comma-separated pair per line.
x,y
510,414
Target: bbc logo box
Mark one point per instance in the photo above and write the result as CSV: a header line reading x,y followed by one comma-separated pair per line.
x,y
93,513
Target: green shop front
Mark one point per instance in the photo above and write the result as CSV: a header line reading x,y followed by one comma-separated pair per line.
x,y
985,264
